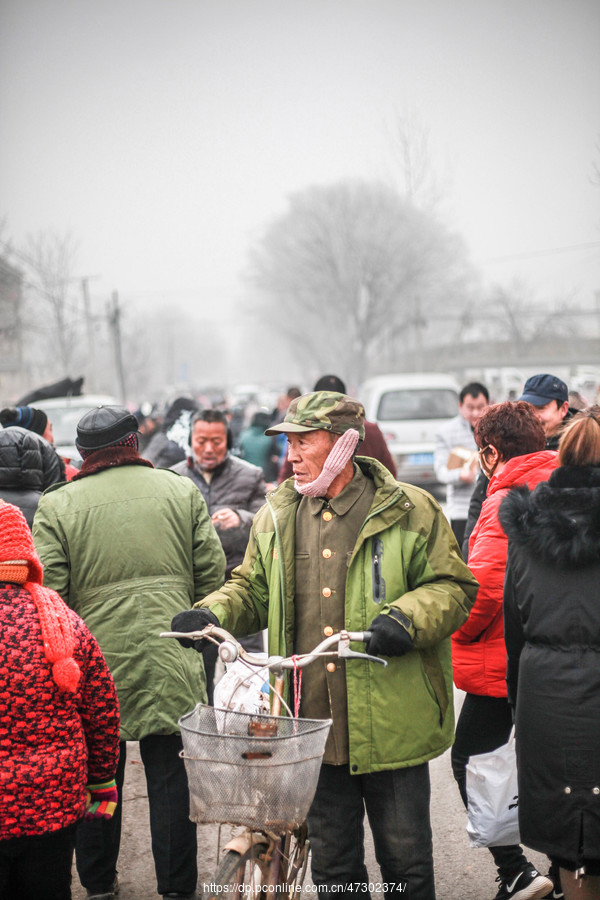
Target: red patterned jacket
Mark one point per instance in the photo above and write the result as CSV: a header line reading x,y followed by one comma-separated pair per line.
x,y
52,742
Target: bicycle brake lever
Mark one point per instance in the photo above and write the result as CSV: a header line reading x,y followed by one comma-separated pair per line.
x,y
352,654
344,651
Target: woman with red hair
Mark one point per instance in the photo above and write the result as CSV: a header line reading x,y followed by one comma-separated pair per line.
x,y
511,443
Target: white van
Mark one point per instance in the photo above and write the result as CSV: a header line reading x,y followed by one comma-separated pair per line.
x,y
409,409
64,413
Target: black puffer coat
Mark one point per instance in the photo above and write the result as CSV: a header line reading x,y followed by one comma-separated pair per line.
x,y
28,465
552,632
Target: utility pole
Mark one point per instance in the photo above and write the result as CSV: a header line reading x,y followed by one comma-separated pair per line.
x,y
114,317
89,324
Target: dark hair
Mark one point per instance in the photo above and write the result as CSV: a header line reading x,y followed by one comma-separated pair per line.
x,y
175,409
209,415
293,392
212,416
512,428
474,389
330,383
579,443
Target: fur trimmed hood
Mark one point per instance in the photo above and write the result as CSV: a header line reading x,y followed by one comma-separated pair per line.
x,y
559,521
108,458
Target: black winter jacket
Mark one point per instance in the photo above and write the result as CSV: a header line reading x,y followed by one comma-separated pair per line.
x,y
28,465
552,633
236,484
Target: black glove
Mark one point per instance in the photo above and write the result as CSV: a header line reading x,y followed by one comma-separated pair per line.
x,y
193,620
390,636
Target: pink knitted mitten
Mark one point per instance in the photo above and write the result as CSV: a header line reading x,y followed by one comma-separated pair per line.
x,y
339,455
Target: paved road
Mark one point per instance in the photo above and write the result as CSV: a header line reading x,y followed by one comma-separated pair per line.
x,y
461,872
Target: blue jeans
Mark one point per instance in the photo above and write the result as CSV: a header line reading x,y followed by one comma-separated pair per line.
x,y
174,846
397,806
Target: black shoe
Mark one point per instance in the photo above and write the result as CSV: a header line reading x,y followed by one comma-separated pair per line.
x,y
174,894
527,884
554,875
110,894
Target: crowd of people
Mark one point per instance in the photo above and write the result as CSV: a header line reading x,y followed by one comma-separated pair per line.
x,y
283,529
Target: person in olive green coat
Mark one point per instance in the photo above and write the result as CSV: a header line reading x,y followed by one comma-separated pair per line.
x,y
344,545
127,545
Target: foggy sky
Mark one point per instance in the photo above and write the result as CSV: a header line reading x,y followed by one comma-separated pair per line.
x,y
165,134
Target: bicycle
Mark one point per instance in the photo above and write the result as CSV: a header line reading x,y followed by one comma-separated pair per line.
x,y
279,756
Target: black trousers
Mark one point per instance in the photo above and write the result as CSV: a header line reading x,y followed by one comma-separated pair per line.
x,y
397,805
37,867
484,724
174,846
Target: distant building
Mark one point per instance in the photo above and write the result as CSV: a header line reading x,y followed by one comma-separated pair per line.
x,y
11,347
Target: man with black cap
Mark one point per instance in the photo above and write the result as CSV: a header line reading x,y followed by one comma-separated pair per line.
x,y
126,546
550,397
342,544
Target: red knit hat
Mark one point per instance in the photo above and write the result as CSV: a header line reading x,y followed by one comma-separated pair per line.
x,y
20,563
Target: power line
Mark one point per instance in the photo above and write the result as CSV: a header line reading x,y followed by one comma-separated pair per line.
x,y
550,252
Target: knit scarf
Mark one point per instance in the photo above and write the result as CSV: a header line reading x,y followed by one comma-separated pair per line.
x,y
20,564
57,635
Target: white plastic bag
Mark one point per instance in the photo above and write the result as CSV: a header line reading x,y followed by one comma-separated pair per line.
x,y
243,689
493,797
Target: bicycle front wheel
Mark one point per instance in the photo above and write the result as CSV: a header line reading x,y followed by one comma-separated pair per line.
x,y
240,873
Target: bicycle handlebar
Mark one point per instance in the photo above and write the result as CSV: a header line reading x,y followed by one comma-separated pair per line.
x,y
230,649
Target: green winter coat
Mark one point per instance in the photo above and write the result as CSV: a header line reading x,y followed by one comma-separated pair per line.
x,y
127,548
401,715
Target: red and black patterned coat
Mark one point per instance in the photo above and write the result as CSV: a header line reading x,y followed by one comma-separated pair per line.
x,y
52,742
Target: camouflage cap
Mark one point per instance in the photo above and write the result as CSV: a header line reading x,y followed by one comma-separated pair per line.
x,y
322,411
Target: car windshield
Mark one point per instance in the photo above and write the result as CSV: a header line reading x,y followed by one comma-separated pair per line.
x,y
425,403
64,423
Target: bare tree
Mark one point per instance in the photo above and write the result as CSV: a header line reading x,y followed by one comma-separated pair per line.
x,y
410,145
516,318
352,275
49,260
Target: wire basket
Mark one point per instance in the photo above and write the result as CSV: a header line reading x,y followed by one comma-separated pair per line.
x,y
254,770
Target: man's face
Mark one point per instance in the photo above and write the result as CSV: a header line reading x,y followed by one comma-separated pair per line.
x,y
209,444
472,407
48,434
551,415
307,453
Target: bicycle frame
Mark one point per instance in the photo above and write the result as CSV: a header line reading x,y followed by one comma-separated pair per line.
x,y
276,850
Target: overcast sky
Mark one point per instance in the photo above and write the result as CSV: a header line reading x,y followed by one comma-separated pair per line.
x,y
165,134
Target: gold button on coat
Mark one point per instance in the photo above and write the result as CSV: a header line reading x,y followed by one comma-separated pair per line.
x,y
326,592
331,667
327,553
328,516
328,631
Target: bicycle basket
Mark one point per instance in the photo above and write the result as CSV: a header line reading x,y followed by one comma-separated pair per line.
x,y
258,781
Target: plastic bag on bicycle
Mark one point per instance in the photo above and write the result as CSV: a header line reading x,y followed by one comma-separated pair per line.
x,y
243,689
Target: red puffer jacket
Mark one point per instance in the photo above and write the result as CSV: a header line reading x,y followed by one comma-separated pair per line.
x,y
478,648
52,741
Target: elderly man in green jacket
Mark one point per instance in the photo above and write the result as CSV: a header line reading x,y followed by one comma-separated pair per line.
x,y
126,546
344,545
